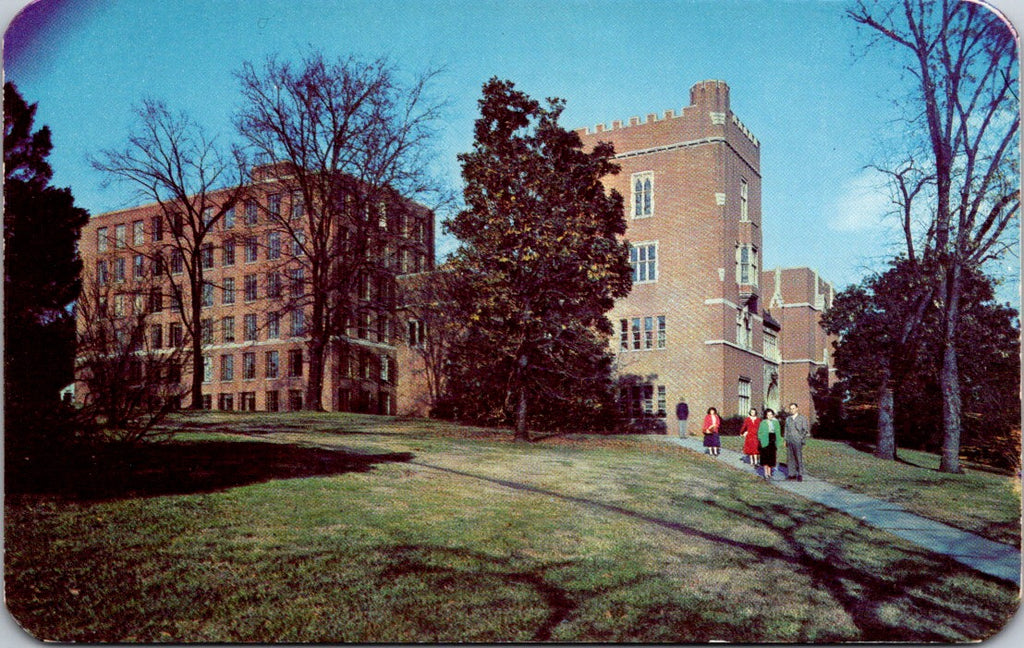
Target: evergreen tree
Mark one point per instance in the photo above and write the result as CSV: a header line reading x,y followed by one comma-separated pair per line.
x,y
540,263
41,269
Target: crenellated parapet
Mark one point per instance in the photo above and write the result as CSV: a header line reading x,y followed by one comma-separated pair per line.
x,y
708,100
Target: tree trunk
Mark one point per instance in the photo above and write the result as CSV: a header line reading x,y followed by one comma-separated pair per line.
x,y
949,379
315,385
522,434
885,445
196,306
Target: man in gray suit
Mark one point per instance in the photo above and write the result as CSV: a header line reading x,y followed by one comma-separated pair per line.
x,y
798,429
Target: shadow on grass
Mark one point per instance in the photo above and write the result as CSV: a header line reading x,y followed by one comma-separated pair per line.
x,y
868,589
119,472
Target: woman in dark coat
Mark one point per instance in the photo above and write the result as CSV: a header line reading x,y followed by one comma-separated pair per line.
x,y
768,435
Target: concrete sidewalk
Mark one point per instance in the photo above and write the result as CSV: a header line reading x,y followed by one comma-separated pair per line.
x,y
993,558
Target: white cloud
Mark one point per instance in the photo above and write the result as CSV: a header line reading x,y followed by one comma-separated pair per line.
x,y
862,203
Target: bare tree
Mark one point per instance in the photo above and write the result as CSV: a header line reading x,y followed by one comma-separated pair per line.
x,y
348,143
170,160
962,58
130,377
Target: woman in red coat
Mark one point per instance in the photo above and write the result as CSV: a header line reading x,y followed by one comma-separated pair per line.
x,y
712,439
751,448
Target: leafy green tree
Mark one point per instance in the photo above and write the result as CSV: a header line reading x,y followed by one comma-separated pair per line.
x,y
539,265
41,268
890,352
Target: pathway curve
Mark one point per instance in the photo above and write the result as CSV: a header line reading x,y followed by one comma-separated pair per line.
x,y
987,556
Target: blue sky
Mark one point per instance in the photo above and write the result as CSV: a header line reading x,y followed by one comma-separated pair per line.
x,y
798,72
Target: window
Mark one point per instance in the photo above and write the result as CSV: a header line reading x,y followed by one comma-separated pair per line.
x,y
643,333
295,400
298,323
274,245
744,397
273,325
227,367
248,366
382,216
744,204
295,363
272,401
417,331
101,273
273,284
298,244
247,401
771,347
271,366
227,327
251,213
744,328
274,205
175,334
746,265
298,205
119,269
229,218
207,369
206,256
206,331
228,251
101,239
157,223
156,300
207,401
297,277
177,261
156,336
139,266
138,233
119,306
638,401
643,194
644,259
228,291
251,288
385,368
252,248
120,236
207,216
207,299
251,329
226,402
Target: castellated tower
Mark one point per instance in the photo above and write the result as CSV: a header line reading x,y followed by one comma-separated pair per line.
x,y
693,328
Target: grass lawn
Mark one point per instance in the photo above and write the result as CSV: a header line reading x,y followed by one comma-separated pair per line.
x,y
979,501
343,528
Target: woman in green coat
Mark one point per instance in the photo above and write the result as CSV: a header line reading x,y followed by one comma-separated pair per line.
x,y
769,433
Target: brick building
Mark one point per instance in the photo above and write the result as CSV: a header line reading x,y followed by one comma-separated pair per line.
x,y
695,327
254,306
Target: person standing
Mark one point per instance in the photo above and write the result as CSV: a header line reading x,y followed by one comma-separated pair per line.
x,y
682,413
712,426
768,434
749,432
798,429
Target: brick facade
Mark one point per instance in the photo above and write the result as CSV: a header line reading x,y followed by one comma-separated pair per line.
x,y
256,346
694,327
